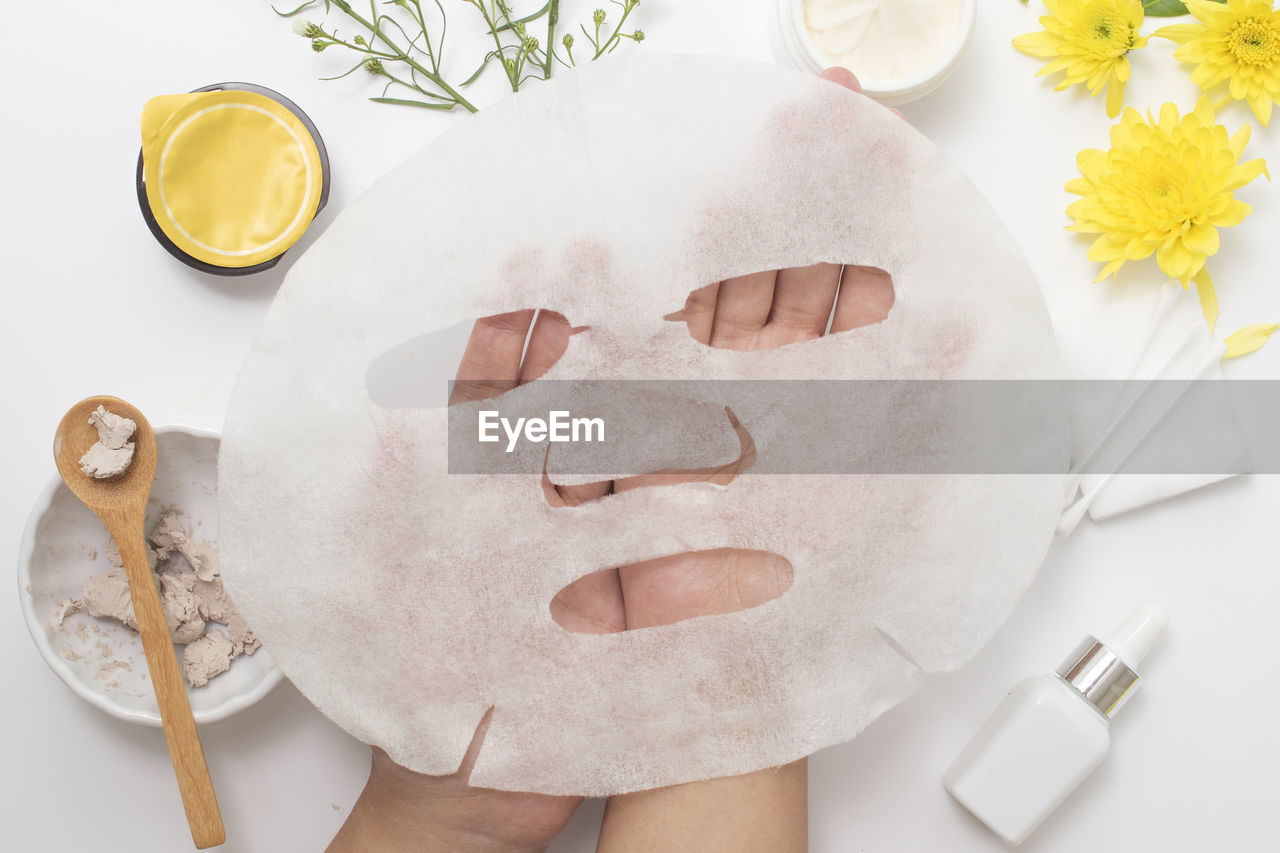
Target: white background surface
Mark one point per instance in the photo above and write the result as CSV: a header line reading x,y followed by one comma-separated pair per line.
x,y
1193,766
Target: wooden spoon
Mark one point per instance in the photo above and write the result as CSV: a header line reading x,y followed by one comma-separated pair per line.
x,y
120,503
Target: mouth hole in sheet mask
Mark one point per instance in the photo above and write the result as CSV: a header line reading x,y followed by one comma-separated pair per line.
x,y
671,589
775,308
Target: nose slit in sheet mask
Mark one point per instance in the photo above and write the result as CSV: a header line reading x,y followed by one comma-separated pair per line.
x,y
565,495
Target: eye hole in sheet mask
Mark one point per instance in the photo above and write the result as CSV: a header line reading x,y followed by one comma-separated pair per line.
x,y
776,308
418,373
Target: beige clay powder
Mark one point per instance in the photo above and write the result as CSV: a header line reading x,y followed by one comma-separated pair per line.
x,y
192,596
113,452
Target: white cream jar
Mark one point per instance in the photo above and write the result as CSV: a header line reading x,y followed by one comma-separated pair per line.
x,y
900,49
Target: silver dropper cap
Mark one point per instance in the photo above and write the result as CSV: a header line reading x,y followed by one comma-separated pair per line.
x,y
1102,670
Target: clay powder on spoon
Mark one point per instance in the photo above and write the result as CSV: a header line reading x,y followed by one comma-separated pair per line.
x,y
113,452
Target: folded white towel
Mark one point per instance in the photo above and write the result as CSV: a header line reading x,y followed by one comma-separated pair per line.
x,y
1103,344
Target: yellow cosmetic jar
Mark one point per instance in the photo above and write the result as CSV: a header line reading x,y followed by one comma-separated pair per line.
x,y
229,176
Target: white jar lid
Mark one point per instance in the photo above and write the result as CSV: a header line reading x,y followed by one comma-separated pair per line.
x,y
798,49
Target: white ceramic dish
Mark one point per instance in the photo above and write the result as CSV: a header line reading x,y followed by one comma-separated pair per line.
x,y
102,661
798,46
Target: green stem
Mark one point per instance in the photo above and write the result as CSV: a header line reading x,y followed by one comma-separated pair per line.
x,y
522,55
408,60
368,51
500,48
426,37
553,18
613,39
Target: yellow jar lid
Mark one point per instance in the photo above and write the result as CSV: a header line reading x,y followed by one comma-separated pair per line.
x,y
233,178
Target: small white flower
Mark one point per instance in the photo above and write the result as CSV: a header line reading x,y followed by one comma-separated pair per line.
x,y
307,29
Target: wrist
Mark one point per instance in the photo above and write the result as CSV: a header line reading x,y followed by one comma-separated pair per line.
x,y
370,827
400,810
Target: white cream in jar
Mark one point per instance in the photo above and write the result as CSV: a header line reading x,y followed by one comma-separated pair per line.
x,y
884,40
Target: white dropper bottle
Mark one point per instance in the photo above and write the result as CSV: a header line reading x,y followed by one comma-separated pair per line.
x,y
1051,731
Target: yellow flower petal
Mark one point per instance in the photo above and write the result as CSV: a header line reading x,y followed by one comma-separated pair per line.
x,y
1208,298
1110,269
1122,75
1203,110
1203,9
1054,67
1201,239
1233,215
1245,173
1078,186
1239,141
1249,339
1261,104
1115,97
1177,32
1175,260
1041,45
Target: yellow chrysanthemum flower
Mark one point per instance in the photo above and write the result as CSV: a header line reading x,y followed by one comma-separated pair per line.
x,y
1165,187
1089,40
1238,41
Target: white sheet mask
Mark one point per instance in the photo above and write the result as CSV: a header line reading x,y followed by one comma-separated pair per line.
x,y
405,602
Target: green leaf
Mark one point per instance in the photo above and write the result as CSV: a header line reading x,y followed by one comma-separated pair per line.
x,y
408,103
1167,8
526,19
479,70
